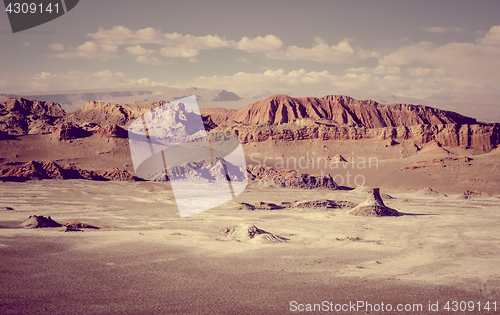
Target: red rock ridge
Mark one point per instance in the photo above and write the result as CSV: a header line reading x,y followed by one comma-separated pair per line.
x,y
280,109
480,137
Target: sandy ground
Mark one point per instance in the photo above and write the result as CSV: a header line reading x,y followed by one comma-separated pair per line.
x,y
146,260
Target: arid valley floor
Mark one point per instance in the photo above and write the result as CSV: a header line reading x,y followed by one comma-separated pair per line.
x,y
147,260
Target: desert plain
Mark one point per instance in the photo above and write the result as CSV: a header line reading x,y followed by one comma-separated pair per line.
x,y
440,256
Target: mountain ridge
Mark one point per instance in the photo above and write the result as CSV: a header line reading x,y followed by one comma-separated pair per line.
x,y
279,109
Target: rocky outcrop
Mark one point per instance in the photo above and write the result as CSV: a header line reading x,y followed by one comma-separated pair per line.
x,y
265,175
103,114
470,194
374,207
338,158
116,174
249,233
19,116
484,137
69,132
280,109
36,222
78,225
325,204
51,170
113,130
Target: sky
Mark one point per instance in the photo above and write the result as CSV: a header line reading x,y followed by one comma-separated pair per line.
x,y
300,48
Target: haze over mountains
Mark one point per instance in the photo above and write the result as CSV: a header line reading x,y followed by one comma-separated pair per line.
x,y
483,107
74,100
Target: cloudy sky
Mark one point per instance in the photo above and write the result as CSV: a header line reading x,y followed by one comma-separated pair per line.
x,y
301,48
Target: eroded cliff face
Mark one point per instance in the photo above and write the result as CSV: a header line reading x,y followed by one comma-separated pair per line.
x,y
281,109
478,136
334,117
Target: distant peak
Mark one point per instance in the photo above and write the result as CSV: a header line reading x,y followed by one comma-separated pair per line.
x,y
280,97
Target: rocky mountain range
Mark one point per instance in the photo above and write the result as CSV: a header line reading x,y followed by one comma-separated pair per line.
x,y
280,109
92,142
334,117
280,118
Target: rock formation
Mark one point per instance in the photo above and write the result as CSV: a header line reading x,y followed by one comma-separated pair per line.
x,y
428,191
113,130
250,233
469,194
483,137
52,170
279,118
336,117
297,205
373,207
69,132
19,116
265,175
35,222
338,158
116,174
280,109
78,225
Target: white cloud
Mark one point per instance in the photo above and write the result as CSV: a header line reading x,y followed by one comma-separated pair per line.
x,y
492,38
301,83
457,67
340,53
407,54
293,82
56,47
383,70
440,29
425,72
179,51
244,60
72,80
91,51
138,50
435,29
103,74
44,75
260,44
152,61
105,43
414,69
